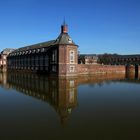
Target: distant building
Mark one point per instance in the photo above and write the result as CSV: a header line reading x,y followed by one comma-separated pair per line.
x,y
116,59
3,58
88,59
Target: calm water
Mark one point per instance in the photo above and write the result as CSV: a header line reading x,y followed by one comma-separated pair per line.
x,y
103,107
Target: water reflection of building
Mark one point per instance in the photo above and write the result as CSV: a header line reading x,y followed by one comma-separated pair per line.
x,y
59,93
3,80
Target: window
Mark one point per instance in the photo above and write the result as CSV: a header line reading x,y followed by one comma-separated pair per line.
x,y
54,68
72,68
42,50
36,61
4,57
41,60
71,83
46,60
71,95
70,40
54,56
71,56
32,60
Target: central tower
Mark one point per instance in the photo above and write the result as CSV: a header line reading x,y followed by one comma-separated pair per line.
x,y
67,53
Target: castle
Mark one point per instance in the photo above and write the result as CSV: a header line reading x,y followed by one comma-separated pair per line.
x,y
57,56
60,57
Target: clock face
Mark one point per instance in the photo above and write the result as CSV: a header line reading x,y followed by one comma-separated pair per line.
x,y
70,40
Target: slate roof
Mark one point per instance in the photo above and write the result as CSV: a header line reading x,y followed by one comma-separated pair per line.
x,y
63,39
36,46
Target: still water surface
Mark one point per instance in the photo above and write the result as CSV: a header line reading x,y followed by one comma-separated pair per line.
x,y
103,107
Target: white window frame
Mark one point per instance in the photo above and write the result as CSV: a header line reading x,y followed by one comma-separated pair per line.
x,y
72,56
72,68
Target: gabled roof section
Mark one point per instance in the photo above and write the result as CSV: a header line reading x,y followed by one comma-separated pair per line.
x,y
64,39
39,45
36,46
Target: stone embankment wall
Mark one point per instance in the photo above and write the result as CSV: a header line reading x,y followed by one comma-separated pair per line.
x,y
133,71
99,69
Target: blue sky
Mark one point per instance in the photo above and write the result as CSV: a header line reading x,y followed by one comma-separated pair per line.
x,y
97,26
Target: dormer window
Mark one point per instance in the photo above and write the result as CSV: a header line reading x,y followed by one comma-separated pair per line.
x,y
42,50
33,51
38,50
30,51
69,40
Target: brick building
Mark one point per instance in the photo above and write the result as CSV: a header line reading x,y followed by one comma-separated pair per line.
x,y
88,59
3,58
60,57
57,56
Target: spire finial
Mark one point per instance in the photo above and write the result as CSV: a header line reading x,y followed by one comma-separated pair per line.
x,y
64,21
64,27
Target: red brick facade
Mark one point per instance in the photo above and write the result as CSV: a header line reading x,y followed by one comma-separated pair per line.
x,y
67,67
60,57
99,69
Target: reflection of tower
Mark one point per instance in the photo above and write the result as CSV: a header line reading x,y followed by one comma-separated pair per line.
x,y
60,93
63,96
67,98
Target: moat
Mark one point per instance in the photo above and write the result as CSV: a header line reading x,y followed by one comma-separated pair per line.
x,y
97,107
